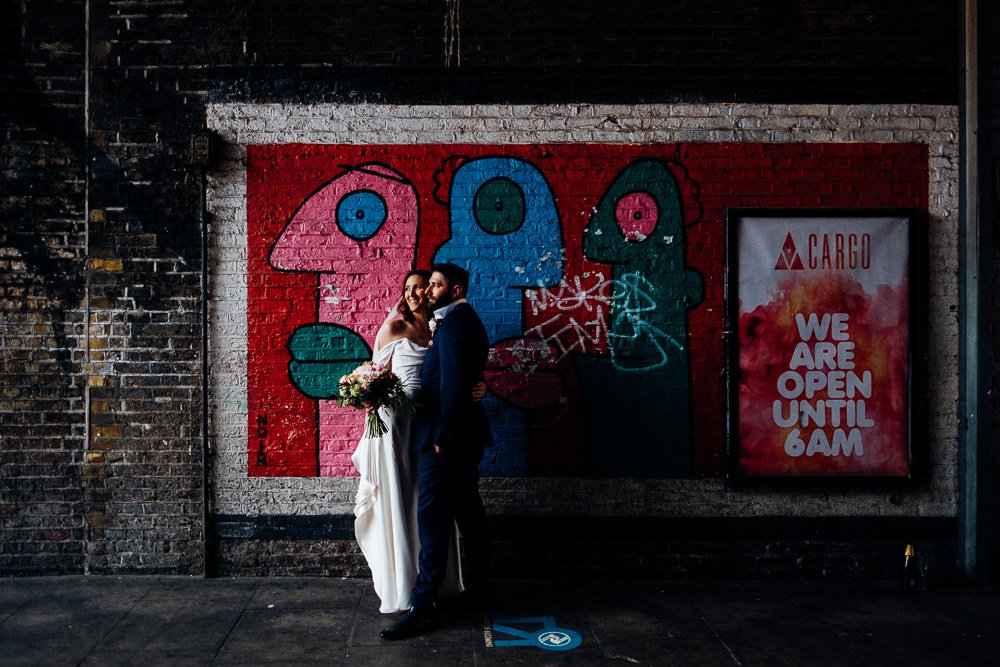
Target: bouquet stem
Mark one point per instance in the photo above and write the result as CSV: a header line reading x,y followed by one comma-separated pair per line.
x,y
375,426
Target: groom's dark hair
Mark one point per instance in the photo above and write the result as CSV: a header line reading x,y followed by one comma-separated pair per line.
x,y
454,274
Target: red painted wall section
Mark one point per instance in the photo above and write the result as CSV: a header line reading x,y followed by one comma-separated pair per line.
x,y
563,369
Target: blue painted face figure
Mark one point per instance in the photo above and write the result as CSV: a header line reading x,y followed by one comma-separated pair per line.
x,y
505,231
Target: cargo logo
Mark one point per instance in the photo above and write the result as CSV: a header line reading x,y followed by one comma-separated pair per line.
x,y
788,259
827,252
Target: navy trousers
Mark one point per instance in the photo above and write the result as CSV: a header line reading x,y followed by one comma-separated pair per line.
x,y
449,494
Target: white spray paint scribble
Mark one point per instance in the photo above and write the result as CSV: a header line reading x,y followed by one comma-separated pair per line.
x,y
628,298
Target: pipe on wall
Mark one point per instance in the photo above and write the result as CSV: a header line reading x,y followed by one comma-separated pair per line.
x,y
974,349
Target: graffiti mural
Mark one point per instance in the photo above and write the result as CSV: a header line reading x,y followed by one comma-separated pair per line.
x,y
597,270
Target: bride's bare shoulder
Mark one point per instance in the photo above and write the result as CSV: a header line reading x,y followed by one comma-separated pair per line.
x,y
390,331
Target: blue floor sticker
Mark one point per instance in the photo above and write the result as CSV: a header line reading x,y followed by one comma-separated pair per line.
x,y
549,636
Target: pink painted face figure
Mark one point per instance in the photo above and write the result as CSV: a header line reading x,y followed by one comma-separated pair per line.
x,y
413,291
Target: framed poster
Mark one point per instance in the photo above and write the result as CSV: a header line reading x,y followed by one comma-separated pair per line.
x,y
820,370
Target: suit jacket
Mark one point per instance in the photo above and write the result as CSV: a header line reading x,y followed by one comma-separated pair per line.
x,y
447,415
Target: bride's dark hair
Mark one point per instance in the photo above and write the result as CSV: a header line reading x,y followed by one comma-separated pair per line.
x,y
426,275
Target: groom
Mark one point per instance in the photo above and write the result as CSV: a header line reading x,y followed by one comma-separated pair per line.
x,y
450,432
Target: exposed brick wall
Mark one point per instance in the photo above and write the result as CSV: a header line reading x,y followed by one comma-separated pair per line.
x,y
143,349
42,282
101,349
520,51
575,548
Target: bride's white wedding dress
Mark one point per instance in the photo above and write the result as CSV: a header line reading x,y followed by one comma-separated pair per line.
x,y
385,507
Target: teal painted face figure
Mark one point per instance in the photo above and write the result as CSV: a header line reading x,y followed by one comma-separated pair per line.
x,y
638,228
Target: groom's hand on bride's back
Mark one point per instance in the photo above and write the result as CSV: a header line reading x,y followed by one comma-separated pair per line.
x,y
478,391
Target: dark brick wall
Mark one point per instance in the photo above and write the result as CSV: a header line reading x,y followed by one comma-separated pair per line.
x,y
144,293
617,548
42,282
101,405
520,51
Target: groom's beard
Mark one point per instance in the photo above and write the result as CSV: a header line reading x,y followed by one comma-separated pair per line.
x,y
442,301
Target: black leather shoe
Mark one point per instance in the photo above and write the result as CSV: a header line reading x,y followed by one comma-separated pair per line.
x,y
414,622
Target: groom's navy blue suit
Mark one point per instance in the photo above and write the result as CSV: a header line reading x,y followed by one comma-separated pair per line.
x,y
448,416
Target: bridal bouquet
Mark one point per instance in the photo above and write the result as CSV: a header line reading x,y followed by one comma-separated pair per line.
x,y
369,387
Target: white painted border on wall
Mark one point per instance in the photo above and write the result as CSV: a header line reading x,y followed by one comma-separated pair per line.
x,y
241,125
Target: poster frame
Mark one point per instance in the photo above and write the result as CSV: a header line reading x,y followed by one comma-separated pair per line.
x,y
917,397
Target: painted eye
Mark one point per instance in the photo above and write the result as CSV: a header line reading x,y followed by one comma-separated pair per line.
x,y
499,206
361,213
637,215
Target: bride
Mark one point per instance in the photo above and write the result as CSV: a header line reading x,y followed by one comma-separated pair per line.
x,y
385,507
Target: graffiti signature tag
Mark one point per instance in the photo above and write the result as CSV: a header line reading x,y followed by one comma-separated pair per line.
x,y
627,299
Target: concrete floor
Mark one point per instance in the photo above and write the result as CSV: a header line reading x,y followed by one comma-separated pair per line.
x,y
312,621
